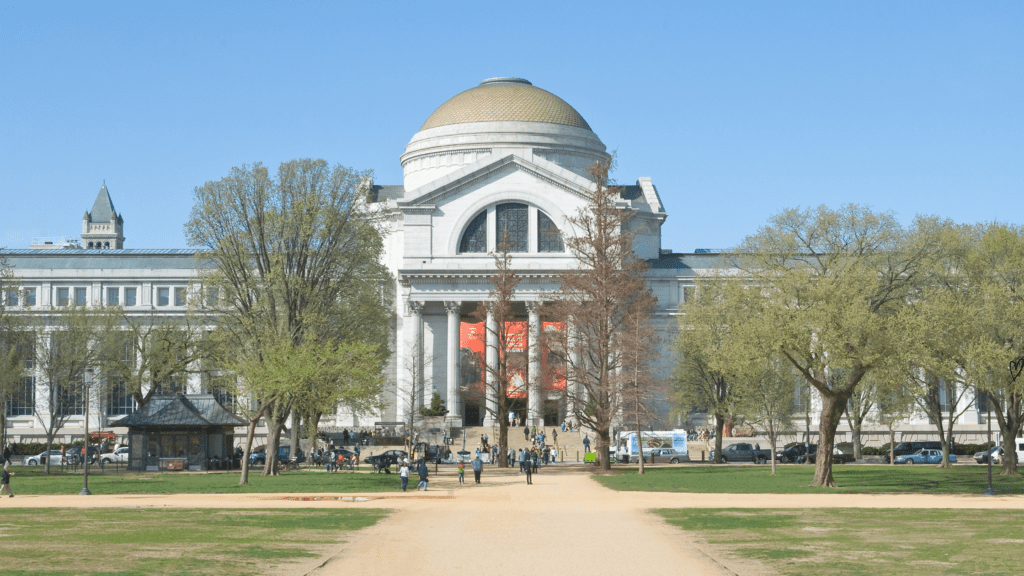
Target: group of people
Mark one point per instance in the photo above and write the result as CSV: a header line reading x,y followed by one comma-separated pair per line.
x,y
702,435
334,459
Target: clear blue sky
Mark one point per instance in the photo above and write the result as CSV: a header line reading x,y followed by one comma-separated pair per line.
x,y
737,110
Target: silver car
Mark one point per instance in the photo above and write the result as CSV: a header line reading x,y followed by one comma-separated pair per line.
x,y
669,455
55,459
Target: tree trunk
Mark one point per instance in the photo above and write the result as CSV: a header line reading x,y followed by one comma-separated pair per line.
x,y
249,435
892,447
296,431
49,447
639,449
946,438
502,440
832,406
275,422
857,446
1009,455
719,428
602,449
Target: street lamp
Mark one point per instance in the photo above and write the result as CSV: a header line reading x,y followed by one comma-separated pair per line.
x,y
988,419
85,448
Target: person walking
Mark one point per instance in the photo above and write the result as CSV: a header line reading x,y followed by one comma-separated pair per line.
x,y
462,472
554,454
494,454
423,473
404,473
529,475
554,435
522,459
478,467
7,453
5,480
526,433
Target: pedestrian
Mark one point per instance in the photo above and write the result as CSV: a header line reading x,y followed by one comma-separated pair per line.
x,y
358,451
7,453
404,473
5,480
547,455
526,433
586,443
423,473
535,460
554,454
494,454
478,467
554,435
529,476
522,459
462,472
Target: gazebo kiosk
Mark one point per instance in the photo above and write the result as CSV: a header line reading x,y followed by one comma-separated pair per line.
x,y
179,432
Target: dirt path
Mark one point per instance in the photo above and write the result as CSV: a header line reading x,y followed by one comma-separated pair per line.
x,y
565,523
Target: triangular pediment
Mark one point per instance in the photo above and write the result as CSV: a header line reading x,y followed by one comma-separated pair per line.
x,y
489,168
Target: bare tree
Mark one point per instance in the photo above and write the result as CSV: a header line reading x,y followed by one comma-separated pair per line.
x,y
500,367
601,299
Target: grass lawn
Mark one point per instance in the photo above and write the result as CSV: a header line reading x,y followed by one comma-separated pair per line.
x,y
52,542
862,542
796,479
31,480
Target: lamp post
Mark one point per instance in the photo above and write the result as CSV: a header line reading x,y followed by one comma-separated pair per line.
x,y
85,448
988,419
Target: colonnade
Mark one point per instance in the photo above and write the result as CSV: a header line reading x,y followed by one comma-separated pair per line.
x,y
451,393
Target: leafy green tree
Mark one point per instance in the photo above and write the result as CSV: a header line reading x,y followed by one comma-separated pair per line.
x,y
14,357
827,290
294,261
768,400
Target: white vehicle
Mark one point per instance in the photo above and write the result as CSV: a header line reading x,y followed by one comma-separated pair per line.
x,y
120,455
675,440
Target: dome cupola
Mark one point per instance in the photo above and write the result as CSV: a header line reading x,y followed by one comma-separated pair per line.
x,y
500,116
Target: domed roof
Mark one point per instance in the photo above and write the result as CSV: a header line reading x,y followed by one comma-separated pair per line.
x,y
505,99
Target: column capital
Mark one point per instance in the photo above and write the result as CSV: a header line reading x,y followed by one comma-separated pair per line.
x,y
452,306
533,306
415,306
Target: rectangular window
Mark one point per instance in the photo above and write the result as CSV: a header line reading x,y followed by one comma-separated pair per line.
x,y
113,296
23,401
122,402
68,400
80,297
179,296
63,296
212,296
30,296
12,297
129,296
163,296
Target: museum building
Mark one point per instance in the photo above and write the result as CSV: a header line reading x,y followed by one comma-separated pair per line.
x,y
501,158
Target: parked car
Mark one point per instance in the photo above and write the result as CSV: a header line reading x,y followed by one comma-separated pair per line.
x,y
74,454
120,455
41,458
382,462
925,456
794,452
258,456
669,455
904,448
743,452
982,457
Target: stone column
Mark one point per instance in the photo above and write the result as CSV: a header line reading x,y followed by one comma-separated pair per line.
x,y
535,411
454,352
416,364
491,361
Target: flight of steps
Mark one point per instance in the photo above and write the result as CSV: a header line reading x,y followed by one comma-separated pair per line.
x,y
570,444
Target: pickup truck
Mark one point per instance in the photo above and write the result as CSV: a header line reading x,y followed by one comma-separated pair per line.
x,y
743,452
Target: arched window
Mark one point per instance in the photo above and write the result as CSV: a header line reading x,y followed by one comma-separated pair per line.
x,y
526,228
549,239
474,239
514,221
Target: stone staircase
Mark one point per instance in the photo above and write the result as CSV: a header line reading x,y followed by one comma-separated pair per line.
x,y
569,444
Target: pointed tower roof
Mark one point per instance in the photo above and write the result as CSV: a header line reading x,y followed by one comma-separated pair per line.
x,y
103,207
